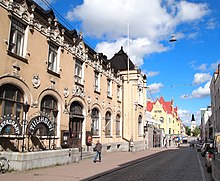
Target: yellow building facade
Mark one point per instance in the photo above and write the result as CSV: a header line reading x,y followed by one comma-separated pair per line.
x,y
165,112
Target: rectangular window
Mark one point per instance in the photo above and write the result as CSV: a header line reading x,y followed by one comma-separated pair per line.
x,y
52,58
17,34
97,89
109,88
78,72
118,92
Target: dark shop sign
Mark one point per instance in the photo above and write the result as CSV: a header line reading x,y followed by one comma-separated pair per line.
x,y
34,122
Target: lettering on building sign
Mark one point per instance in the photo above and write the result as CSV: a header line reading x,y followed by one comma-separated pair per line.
x,y
8,121
39,120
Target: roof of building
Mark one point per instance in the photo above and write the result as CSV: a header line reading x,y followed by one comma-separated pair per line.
x,y
120,61
167,106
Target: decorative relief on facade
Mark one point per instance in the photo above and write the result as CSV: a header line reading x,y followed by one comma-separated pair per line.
x,y
52,83
36,81
16,69
66,92
78,92
103,104
34,104
89,100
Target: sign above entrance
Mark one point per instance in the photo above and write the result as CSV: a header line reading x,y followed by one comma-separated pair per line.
x,y
40,122
8,123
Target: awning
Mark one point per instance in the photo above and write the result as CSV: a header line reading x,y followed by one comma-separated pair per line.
x,y
152,121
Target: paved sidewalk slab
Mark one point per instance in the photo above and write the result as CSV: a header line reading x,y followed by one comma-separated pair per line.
x,y
81,170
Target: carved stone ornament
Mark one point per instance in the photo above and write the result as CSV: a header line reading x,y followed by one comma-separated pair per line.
x,y
66,92
36,81
78,91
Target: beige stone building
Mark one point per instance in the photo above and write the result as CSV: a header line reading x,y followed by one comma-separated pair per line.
x,y
56,91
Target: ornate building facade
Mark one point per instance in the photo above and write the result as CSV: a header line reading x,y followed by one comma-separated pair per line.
x,y
56,91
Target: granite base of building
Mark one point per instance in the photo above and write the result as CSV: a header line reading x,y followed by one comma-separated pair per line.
x,y
32,160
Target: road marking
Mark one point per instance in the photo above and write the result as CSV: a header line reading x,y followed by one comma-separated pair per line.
x,y
203,175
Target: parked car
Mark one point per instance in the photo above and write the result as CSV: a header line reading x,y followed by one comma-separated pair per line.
x,y
208,158
216,160
199,147
204,149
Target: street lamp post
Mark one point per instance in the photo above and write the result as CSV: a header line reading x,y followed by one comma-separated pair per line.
x,y
26,107
55,112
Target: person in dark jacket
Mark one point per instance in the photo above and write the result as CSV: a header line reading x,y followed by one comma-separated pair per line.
x,y
98,150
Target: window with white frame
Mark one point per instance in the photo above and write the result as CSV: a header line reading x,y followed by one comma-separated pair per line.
x,y
118,125
17,36
140,95
95,122
78,72
139,124
53,58
109,88
97,82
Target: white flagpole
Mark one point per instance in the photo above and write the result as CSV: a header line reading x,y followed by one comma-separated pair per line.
x,y
128,39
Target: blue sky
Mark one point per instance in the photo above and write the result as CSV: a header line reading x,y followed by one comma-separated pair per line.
x,y
181,70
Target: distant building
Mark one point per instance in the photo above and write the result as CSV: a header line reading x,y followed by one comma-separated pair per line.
x,y
166,113
193,124
206,126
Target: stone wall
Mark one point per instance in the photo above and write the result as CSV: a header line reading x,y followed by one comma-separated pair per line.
x,y
31,160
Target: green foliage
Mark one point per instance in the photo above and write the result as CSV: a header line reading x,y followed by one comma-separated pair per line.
x,y
188,130
196,131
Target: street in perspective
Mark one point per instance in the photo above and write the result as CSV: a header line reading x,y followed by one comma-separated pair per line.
x,y
109,90
185,163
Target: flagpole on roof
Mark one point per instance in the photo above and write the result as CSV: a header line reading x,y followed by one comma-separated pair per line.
x,y
128,49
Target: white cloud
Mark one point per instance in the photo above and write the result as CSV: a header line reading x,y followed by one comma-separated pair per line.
x,y
185,116
202,67
138,48
154,88
200,78
188,11
152,73
214,66
150,21
201,91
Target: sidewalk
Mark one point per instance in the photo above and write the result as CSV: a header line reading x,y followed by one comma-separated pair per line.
x,y
81,170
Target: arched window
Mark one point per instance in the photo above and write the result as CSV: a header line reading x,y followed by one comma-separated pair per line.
x,y
95,122
11,103
118,125
139,124
108,124
48,106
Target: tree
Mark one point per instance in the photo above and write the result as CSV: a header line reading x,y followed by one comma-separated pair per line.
x,y
196,131
188,130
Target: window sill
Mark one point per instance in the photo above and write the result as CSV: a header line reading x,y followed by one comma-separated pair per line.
x,y
53,73
109,97
77,83
97,92
108,136
17,56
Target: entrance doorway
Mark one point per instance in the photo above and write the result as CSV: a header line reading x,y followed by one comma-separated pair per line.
x,y
75,125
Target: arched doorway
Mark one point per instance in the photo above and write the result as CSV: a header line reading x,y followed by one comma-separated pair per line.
x,y
75,124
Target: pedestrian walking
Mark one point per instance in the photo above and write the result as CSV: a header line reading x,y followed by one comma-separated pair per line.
x,y
98,150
